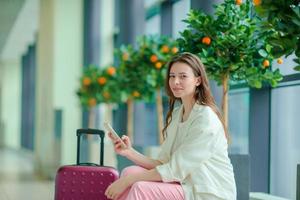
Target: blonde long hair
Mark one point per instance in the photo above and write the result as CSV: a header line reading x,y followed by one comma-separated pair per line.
x,y
202,94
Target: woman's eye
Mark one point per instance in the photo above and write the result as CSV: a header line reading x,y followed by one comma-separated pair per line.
x,y
183,76
171,76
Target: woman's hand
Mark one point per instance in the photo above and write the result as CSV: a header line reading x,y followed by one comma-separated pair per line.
x,y
117,188
119,149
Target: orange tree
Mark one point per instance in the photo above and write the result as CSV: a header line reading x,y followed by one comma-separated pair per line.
x,y
142,72
109,81
133,81
282,19
88,87
152,56
96,86
230,46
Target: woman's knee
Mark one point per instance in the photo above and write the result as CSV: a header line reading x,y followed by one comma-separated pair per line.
x,y
139,186
132,170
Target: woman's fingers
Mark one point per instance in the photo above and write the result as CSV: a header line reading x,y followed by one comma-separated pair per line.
x,y
127,141
110,135
118,145
108,193
114,196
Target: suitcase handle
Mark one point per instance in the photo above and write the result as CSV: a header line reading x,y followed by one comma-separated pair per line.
x,y
89,131
89,164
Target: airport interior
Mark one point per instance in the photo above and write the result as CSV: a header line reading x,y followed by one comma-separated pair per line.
x,y
75,64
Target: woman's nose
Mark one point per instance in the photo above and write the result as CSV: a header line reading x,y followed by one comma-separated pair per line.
x,y
176,81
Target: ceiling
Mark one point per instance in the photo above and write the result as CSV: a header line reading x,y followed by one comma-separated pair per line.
x,y
9,10
18,27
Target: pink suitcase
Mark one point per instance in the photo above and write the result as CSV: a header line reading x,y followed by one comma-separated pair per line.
x,y
84,181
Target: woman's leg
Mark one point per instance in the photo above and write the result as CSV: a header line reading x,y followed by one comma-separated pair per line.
x,y
132,170
146,190
127,171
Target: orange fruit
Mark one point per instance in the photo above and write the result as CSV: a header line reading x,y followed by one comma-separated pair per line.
x,y
174,50
206,40
136,94
238,2
106,95
101,80
153,58
256,2
165,49
111,70
266,63
125,56
279,61
158,65
86,81
92,102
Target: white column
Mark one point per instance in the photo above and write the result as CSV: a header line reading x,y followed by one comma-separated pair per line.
x,y
59,60
10,81
67,71
106,58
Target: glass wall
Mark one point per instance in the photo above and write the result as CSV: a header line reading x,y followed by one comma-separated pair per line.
x,y
153,25
180,10
285,137
286,68
239,121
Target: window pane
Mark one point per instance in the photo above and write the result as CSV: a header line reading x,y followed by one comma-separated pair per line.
x,y
286,68
239,121
285,141
180,10
153,25
149,3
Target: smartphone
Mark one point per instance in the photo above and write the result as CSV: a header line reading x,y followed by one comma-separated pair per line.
x,y
115,136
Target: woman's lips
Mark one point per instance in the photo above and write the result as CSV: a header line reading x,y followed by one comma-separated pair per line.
x,y
177,89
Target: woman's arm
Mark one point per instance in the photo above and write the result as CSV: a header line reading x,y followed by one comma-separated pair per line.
x,y
141,160
119,186
132,154
149,175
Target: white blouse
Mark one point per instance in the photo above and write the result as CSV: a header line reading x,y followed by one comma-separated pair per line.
x,y
195,154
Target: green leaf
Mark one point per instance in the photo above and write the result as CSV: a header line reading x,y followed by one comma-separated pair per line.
x,y
296,21
297,52
204,52
268,75
296,60
297,68
263,53
251,70
273,83
268,48
257,84
296,10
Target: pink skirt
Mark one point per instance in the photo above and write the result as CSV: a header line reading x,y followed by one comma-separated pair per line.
x,y
146,190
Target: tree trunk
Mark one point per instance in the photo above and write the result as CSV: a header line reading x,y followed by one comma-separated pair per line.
x,y
225,99
159,109
130,119
92,117
89,138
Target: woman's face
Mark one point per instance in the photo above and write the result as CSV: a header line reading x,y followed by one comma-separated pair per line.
x,y
182,80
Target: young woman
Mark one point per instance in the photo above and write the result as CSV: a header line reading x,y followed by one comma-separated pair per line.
x,y
193,163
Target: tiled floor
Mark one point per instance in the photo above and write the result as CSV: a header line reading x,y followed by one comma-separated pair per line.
x,y
17,180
